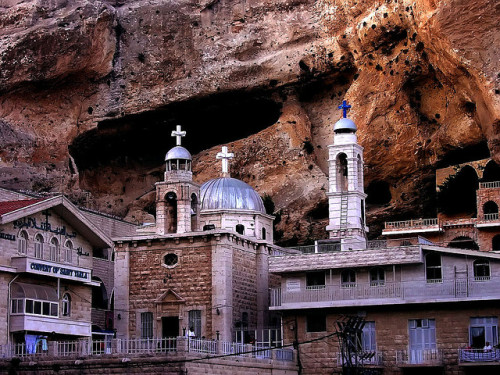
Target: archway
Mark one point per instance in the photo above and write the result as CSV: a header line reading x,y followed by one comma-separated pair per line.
x,y
457,195
495,243
342,172
491,172
463,242
99,295
171,212
490,207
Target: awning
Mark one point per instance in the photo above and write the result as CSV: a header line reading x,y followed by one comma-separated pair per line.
x,y
30,291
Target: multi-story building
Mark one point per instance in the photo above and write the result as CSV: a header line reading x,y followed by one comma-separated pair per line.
x,y
425,307
47,247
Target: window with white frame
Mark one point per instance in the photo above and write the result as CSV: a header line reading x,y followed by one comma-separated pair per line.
x,y
194,322
34,307
422,334
368,341
481,270
22,242
53,249
66,305
433,272
146,325
377,276
482,330
39,246
348,279
68,251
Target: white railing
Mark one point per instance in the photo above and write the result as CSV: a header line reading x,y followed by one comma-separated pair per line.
x,y
419,357
490,217
157,346
489,185
393,292
203,346
414,223
150,345
478,355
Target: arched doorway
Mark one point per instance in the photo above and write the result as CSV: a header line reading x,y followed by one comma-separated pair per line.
x,y
491,172
463,242
490,211
342,172
171,212
457,195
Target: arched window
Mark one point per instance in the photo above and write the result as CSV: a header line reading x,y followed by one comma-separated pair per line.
x,y
481,270
66,305
22,242
377,276
459,188
240,228
348,278
495,243
194,212
67,252
433,272
490,210
171,212
263,231
342,172
53,249
39,246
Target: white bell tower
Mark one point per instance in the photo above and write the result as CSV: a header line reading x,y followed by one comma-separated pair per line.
x,y
346,197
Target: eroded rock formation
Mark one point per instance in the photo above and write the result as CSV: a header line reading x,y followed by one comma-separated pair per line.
x,y
90,90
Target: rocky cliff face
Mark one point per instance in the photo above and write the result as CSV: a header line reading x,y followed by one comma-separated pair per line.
x,y
90,91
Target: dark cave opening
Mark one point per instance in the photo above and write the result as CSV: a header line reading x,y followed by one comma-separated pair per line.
x,y
491,172
145,138
460,187
378,193
465,154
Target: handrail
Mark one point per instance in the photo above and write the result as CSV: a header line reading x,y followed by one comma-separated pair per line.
x,y
489,185
413,223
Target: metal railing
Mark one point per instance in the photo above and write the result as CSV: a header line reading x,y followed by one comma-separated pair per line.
x,y
159,346
393,292
413,223
478,355
489,185
490,217
419,357
373,358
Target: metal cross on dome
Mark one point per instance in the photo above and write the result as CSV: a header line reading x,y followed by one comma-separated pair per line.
x,y
225,156
178,134
345,107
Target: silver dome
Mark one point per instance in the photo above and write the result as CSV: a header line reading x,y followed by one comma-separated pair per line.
x,y
345,125
230,194
178,152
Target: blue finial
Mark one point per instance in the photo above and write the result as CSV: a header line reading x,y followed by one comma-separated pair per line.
x,y
345,107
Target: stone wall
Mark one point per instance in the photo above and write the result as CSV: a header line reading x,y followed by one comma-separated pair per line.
x,y
391,325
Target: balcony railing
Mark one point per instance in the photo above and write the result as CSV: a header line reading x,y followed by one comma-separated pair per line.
x,y
367,358
478,355
489,185
389,293
424,357
414,223
151,346
490,217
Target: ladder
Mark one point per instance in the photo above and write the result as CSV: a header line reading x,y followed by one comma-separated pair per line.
x,y
343,211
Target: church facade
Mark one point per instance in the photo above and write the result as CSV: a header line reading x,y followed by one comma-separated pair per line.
x,y
202,266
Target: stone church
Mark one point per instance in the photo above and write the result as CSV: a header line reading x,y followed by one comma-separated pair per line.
x,y
202,265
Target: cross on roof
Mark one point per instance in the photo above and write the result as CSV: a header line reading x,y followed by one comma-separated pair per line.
x,y
225,156
178,134
344,107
